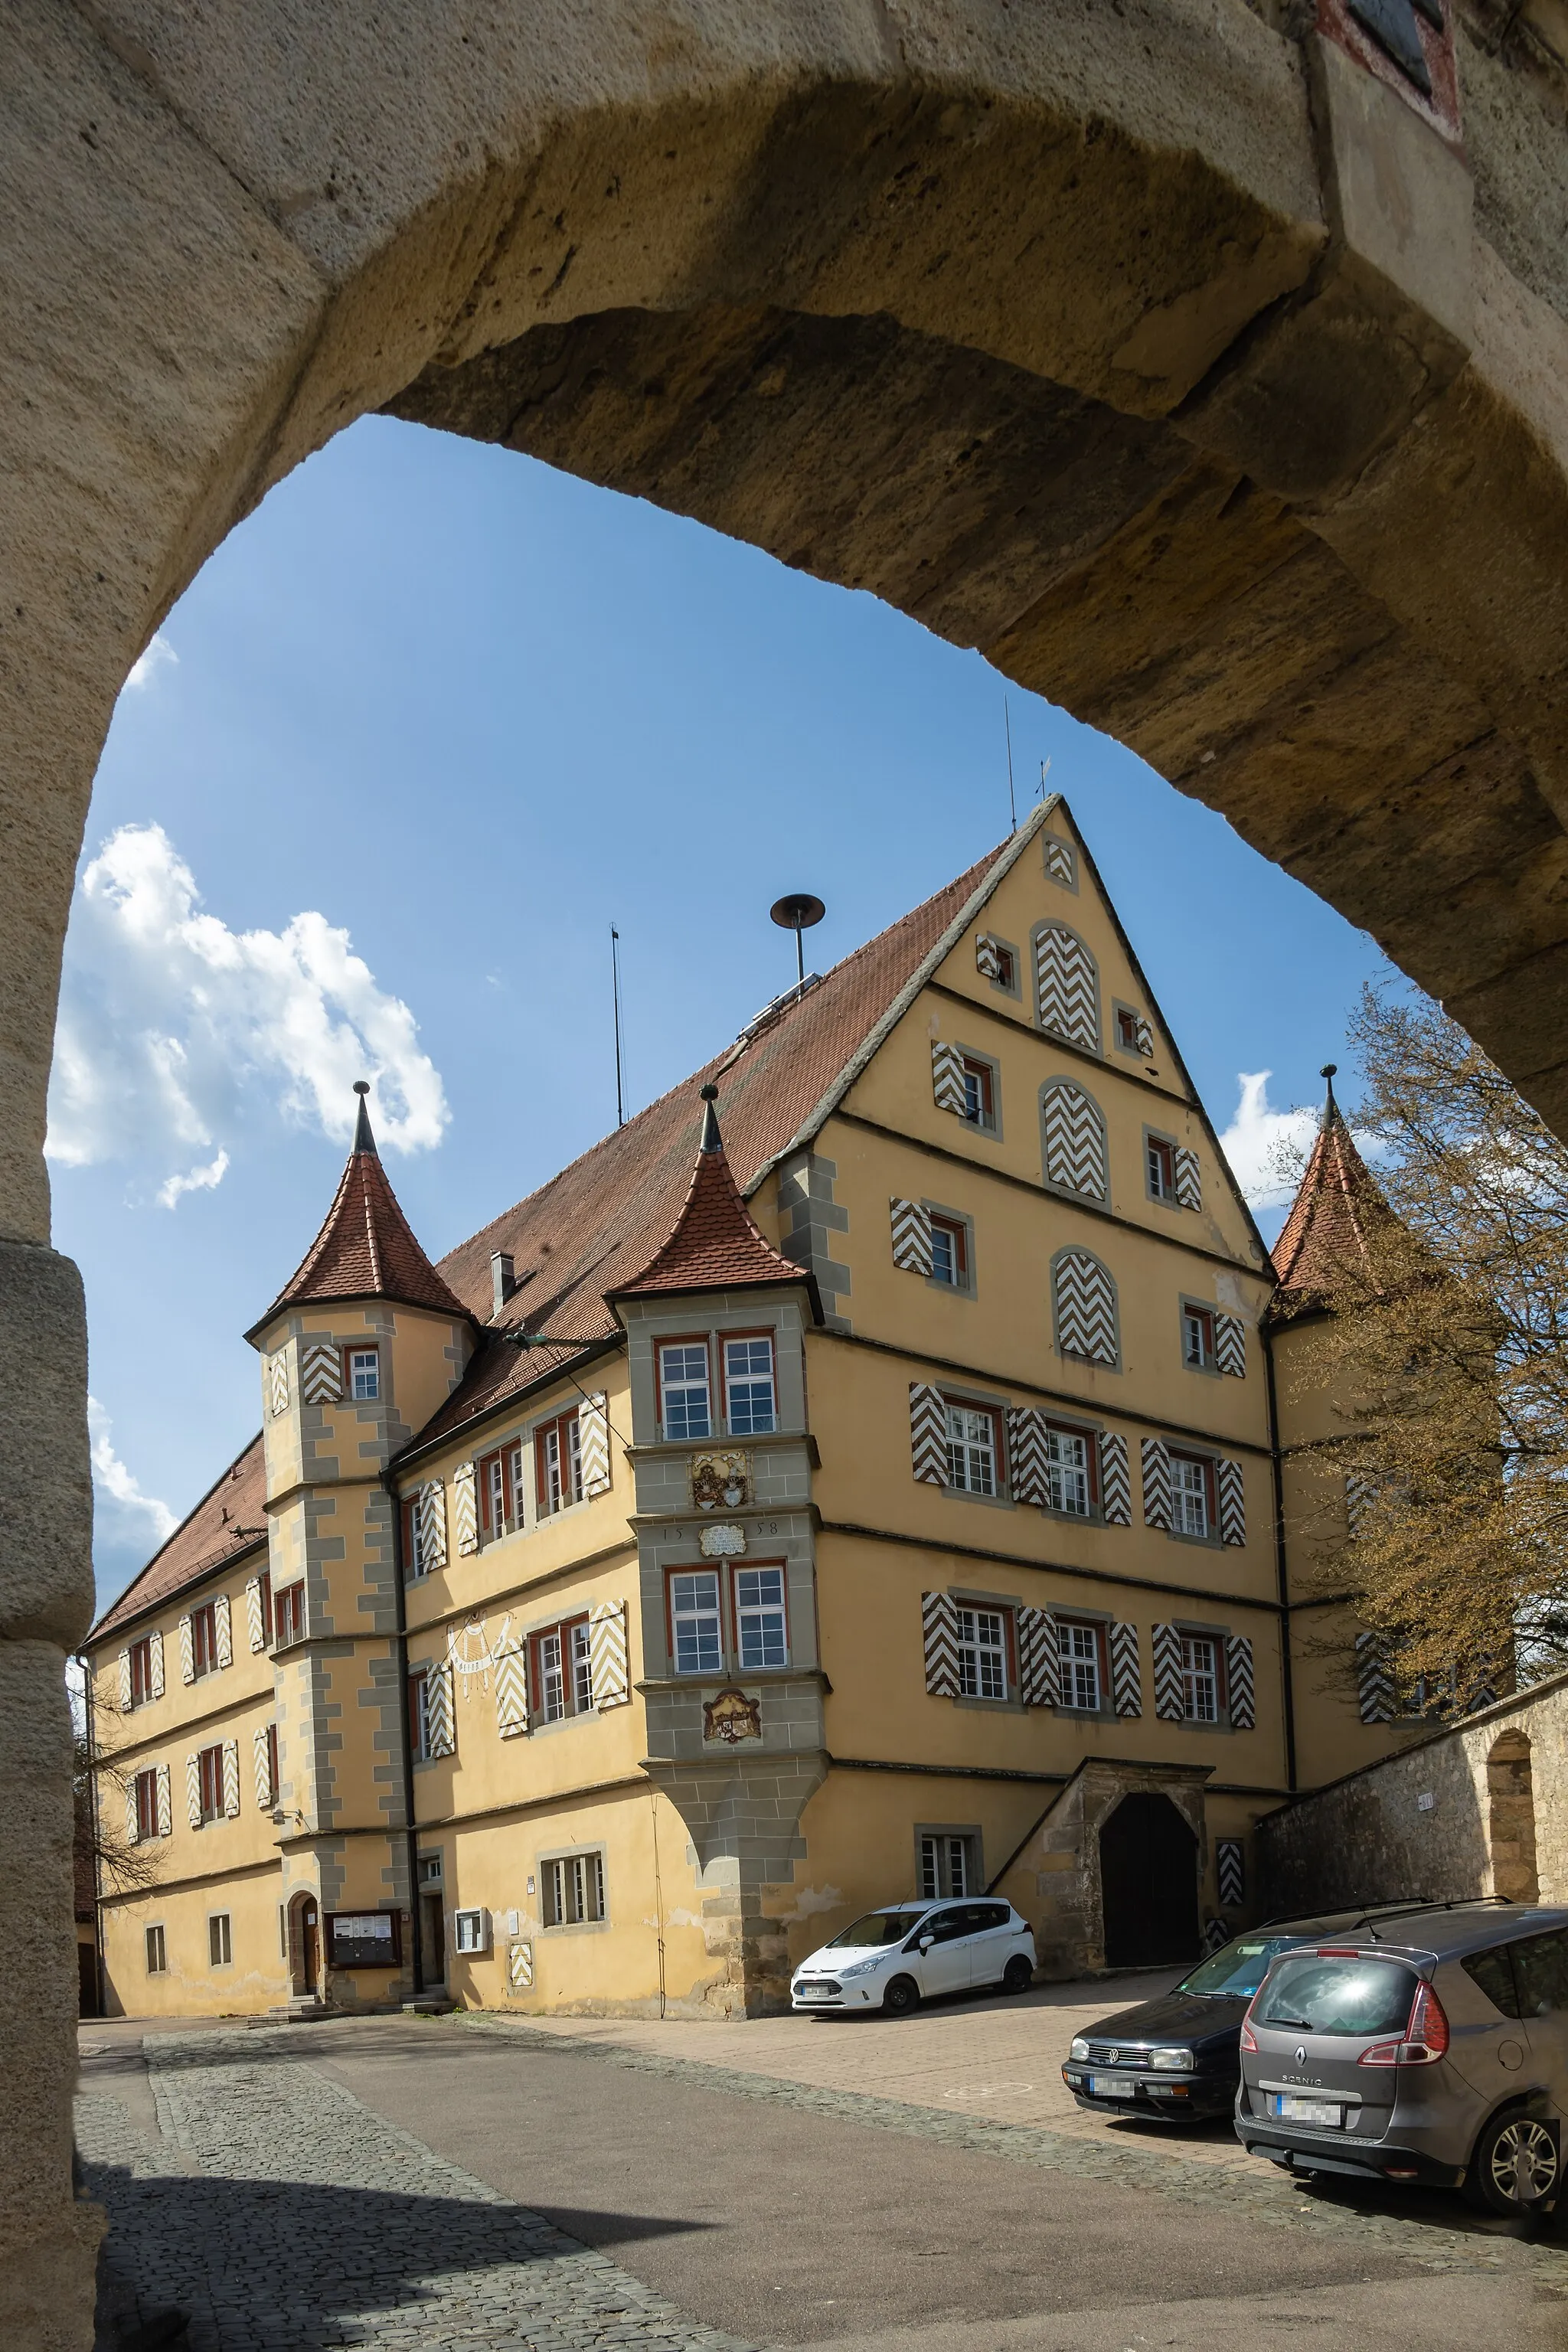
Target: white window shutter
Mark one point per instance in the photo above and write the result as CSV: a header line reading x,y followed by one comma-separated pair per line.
x,y
439,1712
1230,1345
1170,1698
1232,1501
277,1383
155,1659
594,1443
132,1830
465,1508
939,1626
1374,1683
1239,1682
223,1619
1145,1036
165,1803
1115,1480
124,1681
1230,1871
321,1372
187,1654
512,1689
1085,1307
1156,1483
988,956
1189,1178
1027,1457
947,1078
231,1778
608,1653
1059,859
1126,1673
1066,991
433,1523
194,1791
253,1612
1074,1141
1361,1494
261,1759
927,1433
912,1236
1039,1659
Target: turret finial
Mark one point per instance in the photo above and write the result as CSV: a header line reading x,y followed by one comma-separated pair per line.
x,y
365,1140
1330,1071
711,1139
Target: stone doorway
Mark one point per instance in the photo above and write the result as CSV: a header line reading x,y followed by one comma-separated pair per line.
x,y
1149,1883
304,1946
1511,1819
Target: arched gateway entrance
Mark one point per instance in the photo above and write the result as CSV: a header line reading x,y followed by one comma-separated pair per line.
x,y
1166,356
1149,1883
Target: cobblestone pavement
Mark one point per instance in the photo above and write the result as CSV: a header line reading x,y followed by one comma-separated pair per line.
x,y
285,2216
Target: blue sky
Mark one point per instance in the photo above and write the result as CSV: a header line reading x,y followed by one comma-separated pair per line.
x,y
468,711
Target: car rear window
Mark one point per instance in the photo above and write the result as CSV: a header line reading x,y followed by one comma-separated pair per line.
x,y
1331,1996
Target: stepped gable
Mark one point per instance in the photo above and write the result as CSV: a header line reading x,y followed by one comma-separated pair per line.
x,y
714,1244
366,1248
229,1521
1326,1229
586,1233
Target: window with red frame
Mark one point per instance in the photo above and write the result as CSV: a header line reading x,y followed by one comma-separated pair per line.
x,y
209,1765
147,1804
979,1092
141,1671
203,1640
751,1398
1192,1494
949,1252
558,1464
984,1653
563,1676
1197,1336
974,1448
289,1614
498,1477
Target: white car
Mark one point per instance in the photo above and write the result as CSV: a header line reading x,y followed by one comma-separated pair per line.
x,y
893,1959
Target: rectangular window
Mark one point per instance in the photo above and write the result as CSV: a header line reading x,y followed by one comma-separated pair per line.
x,y
1161,1162
1006,969
558,1464
209,1764
949,1252
971,1449
946,1864
1197,1338
981,1653
157,1953
750,1404
141,1672
1200,1677
1081,1679
1131,1033
1191,1505
761,1633
468,1934
364,1375
696,1635
979,1092
273,1782
220,1940
146,1805
415,1565
203,1639
499,1482
573,1890
289,1614
563,1679
1067,1481
685,1403
419,1714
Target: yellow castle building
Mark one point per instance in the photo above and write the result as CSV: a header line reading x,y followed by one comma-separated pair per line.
x,y
859,1476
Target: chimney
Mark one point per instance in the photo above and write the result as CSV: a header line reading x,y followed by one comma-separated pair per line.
x,y
501,1278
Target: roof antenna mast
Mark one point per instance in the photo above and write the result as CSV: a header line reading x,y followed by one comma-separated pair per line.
x,y
797,913
1012,802
1045,772
615,994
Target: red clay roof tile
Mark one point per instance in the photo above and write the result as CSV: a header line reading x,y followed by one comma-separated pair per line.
x,y
713,1243
227,1522
1325,1233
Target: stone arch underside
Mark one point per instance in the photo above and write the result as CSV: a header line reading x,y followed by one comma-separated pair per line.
x,y
1139,345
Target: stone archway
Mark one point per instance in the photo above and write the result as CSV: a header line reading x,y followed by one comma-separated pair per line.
x,y
1148,1883
1511,1819
1179,363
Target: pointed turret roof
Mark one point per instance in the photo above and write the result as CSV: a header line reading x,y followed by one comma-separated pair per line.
x,y
713,1243
1326,1231
366,1248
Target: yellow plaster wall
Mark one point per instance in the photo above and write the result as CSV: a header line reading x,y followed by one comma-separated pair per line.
x,y
256,1981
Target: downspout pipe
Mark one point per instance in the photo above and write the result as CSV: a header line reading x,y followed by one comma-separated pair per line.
x,y
416,1938
1281,1564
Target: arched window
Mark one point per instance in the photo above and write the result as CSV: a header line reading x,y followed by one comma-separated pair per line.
x,y
1072,1131
1067,987
1084,1296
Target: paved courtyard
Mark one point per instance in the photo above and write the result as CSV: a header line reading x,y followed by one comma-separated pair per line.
x,y
838,2185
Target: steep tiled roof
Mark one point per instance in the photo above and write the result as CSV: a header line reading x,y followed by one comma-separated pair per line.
x,y
366,1249
1325,1233
229,1521
714,1244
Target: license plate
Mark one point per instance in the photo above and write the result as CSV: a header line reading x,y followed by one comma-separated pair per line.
x,y
1290,2109
1112,2086
812,1992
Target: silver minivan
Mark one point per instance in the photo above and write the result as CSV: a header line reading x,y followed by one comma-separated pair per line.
x,y
1425,2045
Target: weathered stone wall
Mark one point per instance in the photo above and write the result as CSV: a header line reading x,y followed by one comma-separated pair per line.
x,y
1481,1809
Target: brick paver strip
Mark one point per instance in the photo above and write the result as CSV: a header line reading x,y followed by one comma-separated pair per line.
x,y
1261,2191
286,2216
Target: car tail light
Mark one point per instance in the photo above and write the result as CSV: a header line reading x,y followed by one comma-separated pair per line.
x,y
1425,2036
1337,1952
1248,2039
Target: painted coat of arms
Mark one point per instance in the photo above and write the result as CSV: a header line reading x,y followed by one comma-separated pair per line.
x,y
721,1481
731,1718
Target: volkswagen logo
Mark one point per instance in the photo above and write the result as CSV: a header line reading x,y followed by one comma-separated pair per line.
x,y
1301,2053
1113,2055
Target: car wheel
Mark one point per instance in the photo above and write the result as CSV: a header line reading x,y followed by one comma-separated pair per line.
x,y
1516,2168
1018,1974
900,1997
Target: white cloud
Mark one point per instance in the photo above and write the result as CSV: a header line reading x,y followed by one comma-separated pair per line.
x,y
168,1020
123,1516
195,1179
159,654
1258,1141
